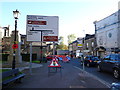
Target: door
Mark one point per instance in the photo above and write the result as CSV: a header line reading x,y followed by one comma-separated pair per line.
x,y
105,63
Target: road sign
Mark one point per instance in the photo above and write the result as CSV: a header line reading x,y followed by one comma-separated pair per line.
x,y
54,63
50,38
54,66
36,23
15,46
79,45
86,50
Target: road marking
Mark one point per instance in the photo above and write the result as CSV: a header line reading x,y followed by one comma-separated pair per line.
x,y
102,81
77,87
83,81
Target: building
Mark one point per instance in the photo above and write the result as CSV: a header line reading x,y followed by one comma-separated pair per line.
x,y
5,40
108,34
6,44
72,48
0,39
89,45
36,47
76,47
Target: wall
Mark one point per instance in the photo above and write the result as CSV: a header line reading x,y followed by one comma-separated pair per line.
x,y
106,33
118,34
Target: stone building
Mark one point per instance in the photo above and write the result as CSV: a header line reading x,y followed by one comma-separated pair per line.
x,y
0,39
76,47
108,34
83,46
36,47
89,45
11,50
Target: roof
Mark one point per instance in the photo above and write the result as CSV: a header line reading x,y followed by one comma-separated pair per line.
x,y
108,16
88,36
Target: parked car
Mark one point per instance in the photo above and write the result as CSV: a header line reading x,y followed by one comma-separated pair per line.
x,y
110,63
60,58
90,61
115,86
65,59
68,58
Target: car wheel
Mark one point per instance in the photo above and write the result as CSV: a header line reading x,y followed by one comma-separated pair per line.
x,y
116,73
81,63
99,69
88,64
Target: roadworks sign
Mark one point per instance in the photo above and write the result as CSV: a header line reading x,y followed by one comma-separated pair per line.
x,y
54,63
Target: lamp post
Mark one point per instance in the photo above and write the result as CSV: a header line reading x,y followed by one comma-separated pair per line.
x,y
83,51
95,37
15,14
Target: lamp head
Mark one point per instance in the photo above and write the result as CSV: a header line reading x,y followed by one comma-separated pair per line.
x,y
15,14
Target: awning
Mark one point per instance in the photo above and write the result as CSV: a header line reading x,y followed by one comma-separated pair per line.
x,y
101,48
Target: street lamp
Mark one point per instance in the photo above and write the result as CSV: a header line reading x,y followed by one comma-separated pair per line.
x,y
15,14
95,37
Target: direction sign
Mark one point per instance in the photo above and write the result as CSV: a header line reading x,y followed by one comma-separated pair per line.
x,y
50,38
47,24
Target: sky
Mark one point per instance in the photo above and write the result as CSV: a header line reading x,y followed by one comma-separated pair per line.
x,y
75,16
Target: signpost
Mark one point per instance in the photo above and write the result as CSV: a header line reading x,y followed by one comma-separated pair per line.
x,y
48,25
42,29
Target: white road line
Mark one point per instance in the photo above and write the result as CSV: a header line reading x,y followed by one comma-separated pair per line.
x,y
102,81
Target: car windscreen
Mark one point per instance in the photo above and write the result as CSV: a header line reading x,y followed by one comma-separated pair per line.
x,y
95,58
119,57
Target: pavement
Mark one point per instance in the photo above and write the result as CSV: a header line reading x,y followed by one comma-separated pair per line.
x,y
24,65
82,80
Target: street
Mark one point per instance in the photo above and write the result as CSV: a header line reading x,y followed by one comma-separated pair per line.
x,y
42,48
105,76
71,78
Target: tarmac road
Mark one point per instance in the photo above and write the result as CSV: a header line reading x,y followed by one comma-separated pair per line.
x,y
71,77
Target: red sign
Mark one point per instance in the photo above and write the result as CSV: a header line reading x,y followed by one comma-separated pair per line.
x,y
37,22
50,38
15,46
54,63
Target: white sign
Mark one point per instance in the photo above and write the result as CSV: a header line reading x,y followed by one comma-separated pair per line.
x,y
86,51
47,25
80,42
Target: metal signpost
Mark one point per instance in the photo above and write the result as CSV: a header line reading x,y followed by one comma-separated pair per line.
x,y
30,58
47,24
84,52
42,29
80,45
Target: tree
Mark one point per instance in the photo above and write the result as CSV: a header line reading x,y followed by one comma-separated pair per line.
x,y
61,44
71,38
61,40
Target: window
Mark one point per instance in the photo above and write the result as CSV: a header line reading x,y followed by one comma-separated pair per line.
x,y
22,41
115,57
92,44
87,45
107,57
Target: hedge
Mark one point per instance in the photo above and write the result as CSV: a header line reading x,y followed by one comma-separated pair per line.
x,y
5,57
25,57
